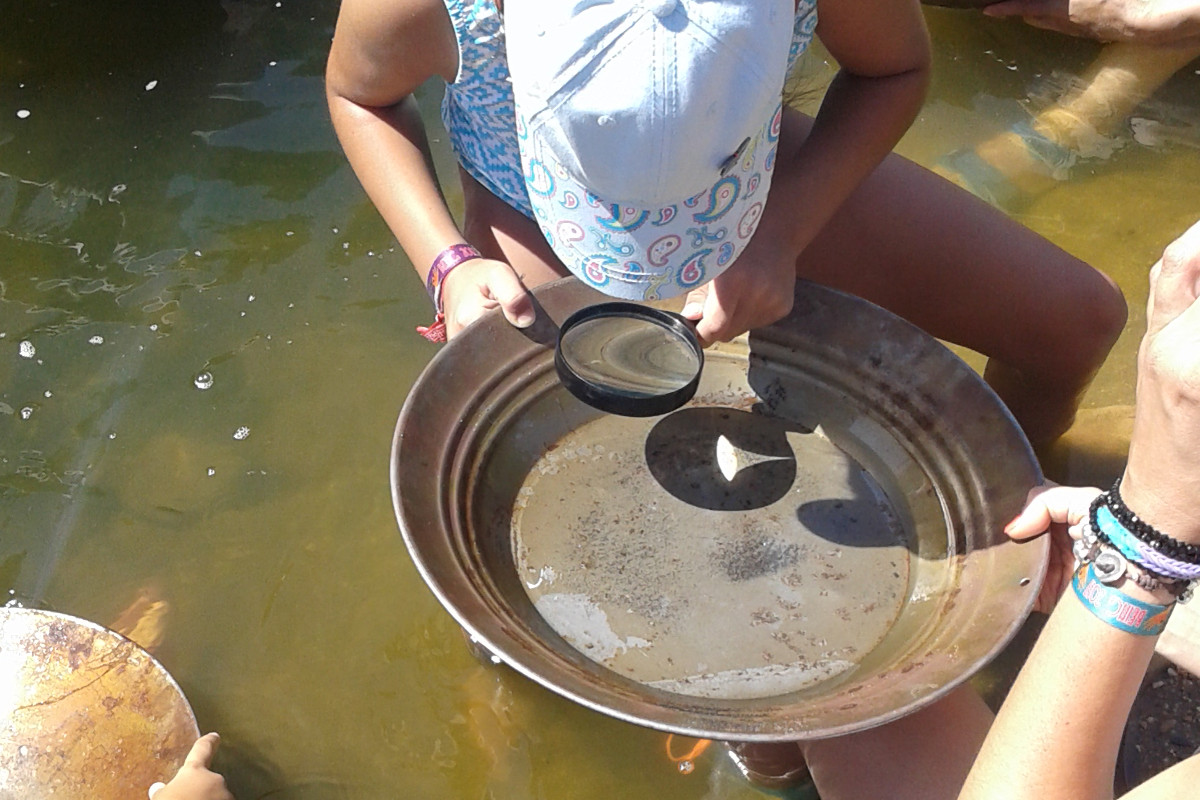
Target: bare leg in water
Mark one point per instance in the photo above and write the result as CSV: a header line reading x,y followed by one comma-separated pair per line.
x,y
924,756
1031,158
956,267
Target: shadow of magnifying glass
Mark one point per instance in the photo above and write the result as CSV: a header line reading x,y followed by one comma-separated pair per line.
x,y
723,459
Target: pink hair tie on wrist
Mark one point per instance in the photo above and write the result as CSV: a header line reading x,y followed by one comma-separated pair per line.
x,y
446,261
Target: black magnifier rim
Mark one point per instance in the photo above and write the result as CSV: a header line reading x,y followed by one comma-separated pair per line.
x,y
603,398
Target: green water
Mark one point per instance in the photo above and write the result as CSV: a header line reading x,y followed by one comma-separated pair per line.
x,y
172,203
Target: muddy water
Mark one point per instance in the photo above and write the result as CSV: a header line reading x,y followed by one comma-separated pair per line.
x,y
640,575
205,338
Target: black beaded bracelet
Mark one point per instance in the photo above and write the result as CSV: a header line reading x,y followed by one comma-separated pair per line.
x,y
1172,548
1149,579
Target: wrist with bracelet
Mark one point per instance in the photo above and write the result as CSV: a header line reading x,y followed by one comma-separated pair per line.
x,y
442,265
1113,565
1114,545
1172,548
1110,531
1116,608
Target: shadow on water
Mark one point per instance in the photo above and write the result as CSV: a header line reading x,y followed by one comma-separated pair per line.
x,y
251,774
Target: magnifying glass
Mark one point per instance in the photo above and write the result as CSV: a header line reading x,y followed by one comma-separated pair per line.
x,y
629,359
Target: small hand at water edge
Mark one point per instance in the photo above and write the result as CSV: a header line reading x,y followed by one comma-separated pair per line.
x,y
195,779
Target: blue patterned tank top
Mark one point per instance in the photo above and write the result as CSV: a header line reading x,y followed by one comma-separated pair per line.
x,y
477,108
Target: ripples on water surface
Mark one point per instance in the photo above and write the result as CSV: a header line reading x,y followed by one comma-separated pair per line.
x,y
205,337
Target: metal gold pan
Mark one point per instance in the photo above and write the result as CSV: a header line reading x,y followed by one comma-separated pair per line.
x,y
84,712
812,546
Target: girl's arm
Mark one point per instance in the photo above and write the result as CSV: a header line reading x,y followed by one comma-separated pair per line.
x,y
382,51
1058,732
882,47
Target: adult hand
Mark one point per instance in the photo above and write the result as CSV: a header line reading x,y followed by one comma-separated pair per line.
x,y
195,781
477,286
1169,356
1162,479
1054,509
1147,21
757,289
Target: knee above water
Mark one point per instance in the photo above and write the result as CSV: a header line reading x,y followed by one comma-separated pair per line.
x,y
1099,319
1109,314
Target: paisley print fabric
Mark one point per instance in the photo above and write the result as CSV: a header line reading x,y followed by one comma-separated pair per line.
x,y
678,246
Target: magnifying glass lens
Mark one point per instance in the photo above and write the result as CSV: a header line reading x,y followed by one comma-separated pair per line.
x,y
630,356
628,359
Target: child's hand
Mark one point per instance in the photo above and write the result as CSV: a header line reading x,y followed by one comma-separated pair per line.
x,y
479,285
195,781
1053,508
757,289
